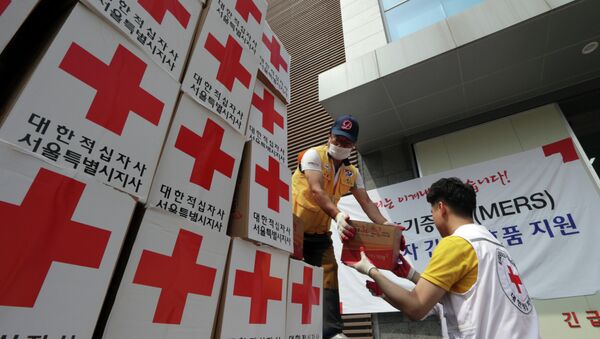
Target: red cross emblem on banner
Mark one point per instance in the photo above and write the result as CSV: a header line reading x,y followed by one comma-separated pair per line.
x,y
306,294
259,286
275,49
515,279
158,8
270,180
247,8
266,105
3,5
229,57
177,276
117,85
207,153
39,232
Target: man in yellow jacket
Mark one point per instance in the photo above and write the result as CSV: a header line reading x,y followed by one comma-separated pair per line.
x,y
324,174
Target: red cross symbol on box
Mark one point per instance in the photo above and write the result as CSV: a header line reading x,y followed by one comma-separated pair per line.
x,y
3,5
275,48
259,286
207,153
270,180
247,8
117,85
177,276
306,294
158,8
229,57
515,279
266,105
39,232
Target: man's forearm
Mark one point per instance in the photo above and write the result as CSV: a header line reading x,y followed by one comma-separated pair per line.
x,y
325,203
397,296
373,212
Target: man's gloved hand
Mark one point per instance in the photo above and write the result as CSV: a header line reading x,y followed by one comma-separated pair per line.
x,y
402,240
345,230
403,269
364,265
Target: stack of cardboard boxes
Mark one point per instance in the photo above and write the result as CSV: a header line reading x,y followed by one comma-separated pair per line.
x,y
177,107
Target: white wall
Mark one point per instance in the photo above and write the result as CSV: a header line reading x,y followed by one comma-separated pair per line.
x,y
363,27
502,137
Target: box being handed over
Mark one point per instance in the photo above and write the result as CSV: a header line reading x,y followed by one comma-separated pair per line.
x,y
381,244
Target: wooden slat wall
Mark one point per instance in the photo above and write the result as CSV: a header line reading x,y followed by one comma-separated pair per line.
x,y
311,31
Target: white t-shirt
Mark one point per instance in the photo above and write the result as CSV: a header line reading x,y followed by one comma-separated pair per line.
x,y
312,161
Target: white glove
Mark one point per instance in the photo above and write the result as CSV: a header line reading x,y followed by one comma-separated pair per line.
x,y
364,265
346,231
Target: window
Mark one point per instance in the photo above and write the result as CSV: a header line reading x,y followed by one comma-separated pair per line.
x,y
404,17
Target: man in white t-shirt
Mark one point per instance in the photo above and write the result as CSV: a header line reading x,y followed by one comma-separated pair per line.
x,y
325,174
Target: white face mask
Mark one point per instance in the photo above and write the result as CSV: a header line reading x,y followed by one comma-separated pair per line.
x,y
339,153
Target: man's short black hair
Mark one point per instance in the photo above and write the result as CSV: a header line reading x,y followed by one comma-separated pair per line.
x,y
454,193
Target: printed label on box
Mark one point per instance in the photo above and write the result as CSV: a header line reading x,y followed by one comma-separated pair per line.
x,y
275,62
305,301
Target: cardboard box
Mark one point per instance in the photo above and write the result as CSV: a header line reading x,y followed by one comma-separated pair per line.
x,y
298,238
223,66
274,64
381,244
163,29
61,235
12,15
96,104
262,209
304,316
172,282
198,167
267,123
253,302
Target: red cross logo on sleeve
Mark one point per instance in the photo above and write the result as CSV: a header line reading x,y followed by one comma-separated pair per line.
x,y
158,8
117,85
306,294
229,57
3,5
207,153
515,279
266,105
177,276
247,8
259,286
39,232
270,180
275,49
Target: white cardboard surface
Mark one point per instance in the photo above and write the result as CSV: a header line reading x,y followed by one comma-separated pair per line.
x,y
304,301
267,124
74,262
87,48
269,318
223,66
163,29
275,62
192,194
191,255
12,15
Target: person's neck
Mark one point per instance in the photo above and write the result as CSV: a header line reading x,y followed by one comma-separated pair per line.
x,y
456,222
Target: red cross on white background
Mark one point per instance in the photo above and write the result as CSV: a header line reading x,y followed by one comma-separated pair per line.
x,y
270,180
177,276
275,48
229,57
39,232
515,279
247,8
117,85
207,153
158,8
266,105
306,294
259,286
3,5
